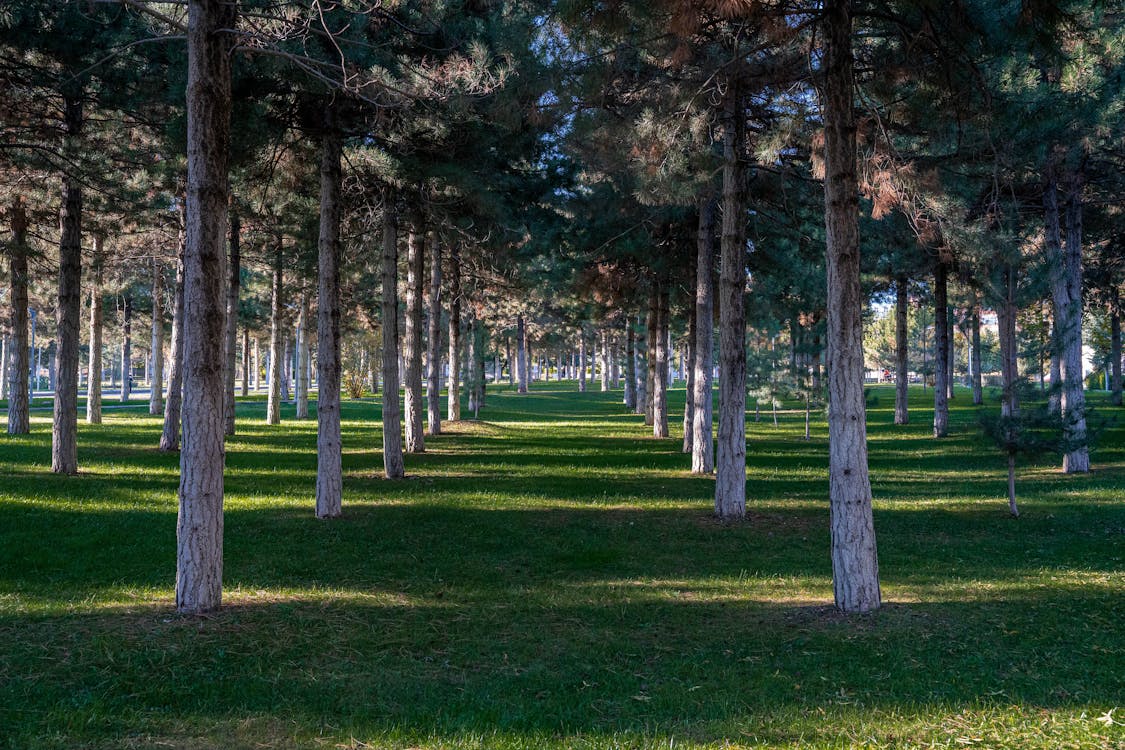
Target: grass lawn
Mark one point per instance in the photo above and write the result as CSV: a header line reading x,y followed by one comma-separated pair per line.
x,y
551,577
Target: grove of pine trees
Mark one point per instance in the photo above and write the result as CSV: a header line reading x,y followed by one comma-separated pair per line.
x,y
767,200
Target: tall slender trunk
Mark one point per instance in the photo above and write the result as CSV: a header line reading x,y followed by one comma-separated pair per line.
x,y
412,336
392,420
730,465
702,441
156,389
687,365
126,348
521,352
604,338
170,436
1009,352
941,350
245,362
433,356
453,393
652,332
329,472
234,271
257,363
902,349
977,375
4,363
640,370
855,567
273,400
1115,351
950,336
199,530
1066,293
94,379
64,433
660,376
301,371
630,365
18,364
582,359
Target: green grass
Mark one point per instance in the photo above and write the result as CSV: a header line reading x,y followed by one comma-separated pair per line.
x,y
551,578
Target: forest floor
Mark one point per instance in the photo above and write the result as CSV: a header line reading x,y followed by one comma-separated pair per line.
x,y
551,577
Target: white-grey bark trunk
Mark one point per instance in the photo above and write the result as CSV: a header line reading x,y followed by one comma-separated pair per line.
x,y
156,387
412,338
660,374
126,348
170,436
730,464
392,420
977,375
687,365
902,373
521,353
855,565
1115,350
301,371
433,358
1066,293
630,396
582,359
18,363
199,529
329,473
234,270
273,400
453,394
640,368
64,433
703,443
651,332
245,362
941,350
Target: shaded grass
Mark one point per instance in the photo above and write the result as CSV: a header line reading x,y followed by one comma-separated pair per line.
x,y
552,578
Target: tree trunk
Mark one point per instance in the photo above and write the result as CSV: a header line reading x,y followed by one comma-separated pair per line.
x,y
245,362
660,375
234,270
902,347
1066,293
582,359
630,365
950,331
64,433
433,356
1006,322
640,368
730,479
688,367
978,376
702,441
301,371
453,394
329,473
273,400
18,364
526,360
855,567
257,364
199,530
1115,352
521,352
412,338
156,390
170,437
604,345
126,348
392,420
941,350
652,331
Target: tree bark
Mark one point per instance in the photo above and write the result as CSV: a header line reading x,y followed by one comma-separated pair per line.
x,y
660,375
703,443
156,390
640,368
234,271
603,335
126,348
1115,352
1009,352
170,437
392,420
199,529
433,357
730,478
453,394
1012,507
652,330
902,347
329,472
630,365
245,362
273,400
19,365
64,433
412,338
687,364
941,350
1066,293
582,359
977,374
301,371
855,567
521,352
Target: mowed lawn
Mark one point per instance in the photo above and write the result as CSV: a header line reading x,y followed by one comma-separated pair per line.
x,y
551,577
